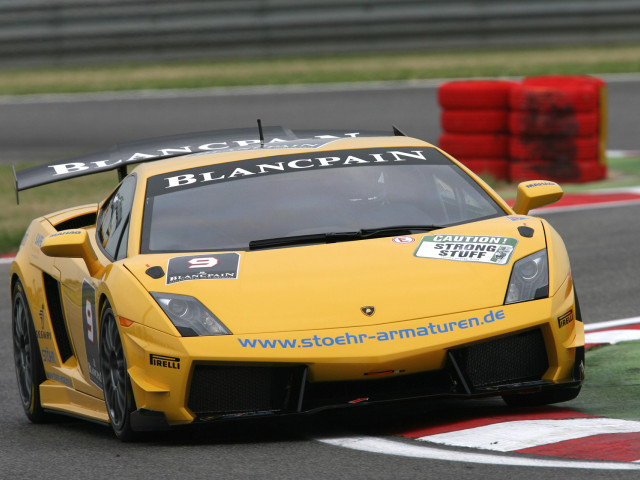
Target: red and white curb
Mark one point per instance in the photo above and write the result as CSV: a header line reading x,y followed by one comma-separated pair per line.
x,y
398,448
6,259
554,432
615,197
574,439
612,332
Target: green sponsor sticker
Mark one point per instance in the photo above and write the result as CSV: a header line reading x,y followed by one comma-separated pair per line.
x,y
467,248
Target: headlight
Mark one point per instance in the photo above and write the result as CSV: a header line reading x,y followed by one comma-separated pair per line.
x,y
529,279
190,317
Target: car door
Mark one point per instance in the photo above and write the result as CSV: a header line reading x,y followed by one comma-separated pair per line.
x,y
78,288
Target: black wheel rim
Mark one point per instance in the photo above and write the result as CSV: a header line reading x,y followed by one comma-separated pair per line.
x,y
22,351
114,372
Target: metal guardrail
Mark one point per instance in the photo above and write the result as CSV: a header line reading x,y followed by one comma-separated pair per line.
x,y
81,31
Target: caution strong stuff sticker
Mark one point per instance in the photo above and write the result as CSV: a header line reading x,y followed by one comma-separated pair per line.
x,y
467,248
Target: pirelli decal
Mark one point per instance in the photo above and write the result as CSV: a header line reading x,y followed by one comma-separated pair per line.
x,y
565,319
164,361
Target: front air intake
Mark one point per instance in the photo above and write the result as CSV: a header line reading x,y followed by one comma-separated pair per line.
x,y
222,389
507,360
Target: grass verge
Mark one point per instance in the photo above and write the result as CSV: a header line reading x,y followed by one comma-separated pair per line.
x,y
42,200
342,68
611,385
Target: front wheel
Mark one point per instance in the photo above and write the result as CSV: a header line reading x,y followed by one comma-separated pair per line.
x,y
26,355
118,395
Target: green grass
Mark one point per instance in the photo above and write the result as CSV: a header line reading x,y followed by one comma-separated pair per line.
x,y
42,200
94,188
339,68
612,383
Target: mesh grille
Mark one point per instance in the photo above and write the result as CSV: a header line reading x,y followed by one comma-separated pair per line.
x,y
513,359
236,389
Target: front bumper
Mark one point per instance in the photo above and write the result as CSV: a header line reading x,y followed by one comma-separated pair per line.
x,y
522,347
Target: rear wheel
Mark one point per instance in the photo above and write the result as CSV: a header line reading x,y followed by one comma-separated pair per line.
x,y
118,395
26,355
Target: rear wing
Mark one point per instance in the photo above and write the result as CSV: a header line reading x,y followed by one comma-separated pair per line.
x,y
217,141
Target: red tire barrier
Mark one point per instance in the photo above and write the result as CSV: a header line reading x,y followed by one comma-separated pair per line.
x,y
554,149
530,123
558,172
550,126
475,146
564,80
475,94
475,121
497,168
557,100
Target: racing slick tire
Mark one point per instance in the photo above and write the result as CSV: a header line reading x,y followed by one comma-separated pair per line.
x,y
475,121
118,395
475,94
26,354
461,146
569,99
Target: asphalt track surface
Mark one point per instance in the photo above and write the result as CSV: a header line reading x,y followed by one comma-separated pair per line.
x,y
41,128
602,244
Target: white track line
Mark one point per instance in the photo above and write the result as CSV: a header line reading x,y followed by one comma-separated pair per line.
x,y
611,324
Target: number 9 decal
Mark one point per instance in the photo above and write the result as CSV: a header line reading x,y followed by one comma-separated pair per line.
x,y
89,316
203,262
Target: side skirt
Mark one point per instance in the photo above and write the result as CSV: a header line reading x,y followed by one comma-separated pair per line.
x,y
62,399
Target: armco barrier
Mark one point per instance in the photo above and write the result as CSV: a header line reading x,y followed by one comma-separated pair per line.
x,y
554,127
81,31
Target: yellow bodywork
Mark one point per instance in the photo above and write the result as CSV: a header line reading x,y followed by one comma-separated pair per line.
x,y
291,306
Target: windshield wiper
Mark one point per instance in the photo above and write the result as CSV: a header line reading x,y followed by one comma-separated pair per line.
x,y
396,230
333,237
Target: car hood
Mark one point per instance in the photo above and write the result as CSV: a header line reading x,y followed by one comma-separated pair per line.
x,y
349,284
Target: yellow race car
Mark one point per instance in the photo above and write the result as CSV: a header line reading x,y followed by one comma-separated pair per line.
x,y
259,272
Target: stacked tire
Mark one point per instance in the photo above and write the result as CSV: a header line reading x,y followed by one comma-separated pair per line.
x,y
551,127
557,128
475,124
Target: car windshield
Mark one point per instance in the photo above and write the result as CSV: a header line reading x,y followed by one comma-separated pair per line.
x,y
227,206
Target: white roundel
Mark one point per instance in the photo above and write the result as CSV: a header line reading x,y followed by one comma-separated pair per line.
x,y
403,240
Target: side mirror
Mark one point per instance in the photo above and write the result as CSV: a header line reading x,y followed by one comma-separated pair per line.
x,y
536,194
73,244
